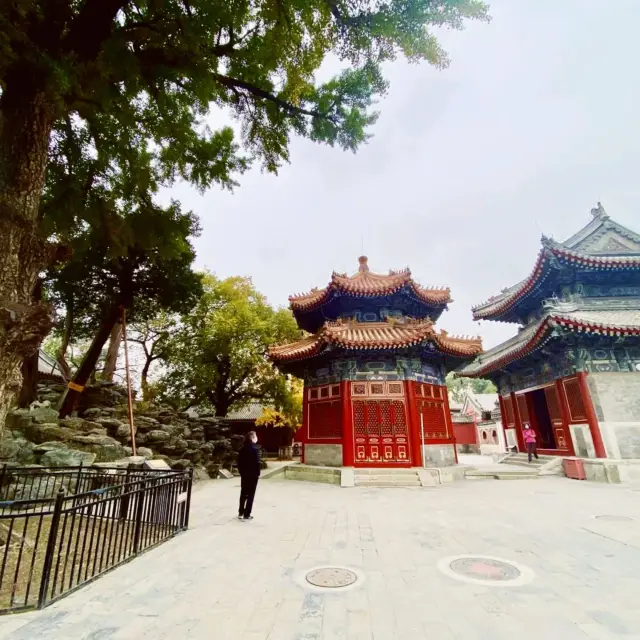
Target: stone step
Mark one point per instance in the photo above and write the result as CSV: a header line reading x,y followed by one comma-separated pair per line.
x,y
389,483
387,479
501,475
385,471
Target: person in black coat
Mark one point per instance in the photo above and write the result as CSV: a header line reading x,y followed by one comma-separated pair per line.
x,y
249,468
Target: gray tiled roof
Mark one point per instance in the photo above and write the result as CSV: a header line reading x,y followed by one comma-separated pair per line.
x,y
251,411
599,315
48,365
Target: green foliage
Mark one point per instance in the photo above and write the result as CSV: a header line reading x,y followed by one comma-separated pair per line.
x,y
143,76
458,387
218,355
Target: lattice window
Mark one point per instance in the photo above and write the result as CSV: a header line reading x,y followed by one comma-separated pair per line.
x,y
373,420
325,420
335,391
427,391
313,394
522,408
359,389
437,392
433,420
324,392
399,421
508,409
377,389
358,418
553,404
577,408
386,426
395,389
418,389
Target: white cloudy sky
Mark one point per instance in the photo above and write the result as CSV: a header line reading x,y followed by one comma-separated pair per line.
x,y
536,119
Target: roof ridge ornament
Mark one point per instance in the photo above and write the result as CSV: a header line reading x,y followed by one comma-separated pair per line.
x,y
599,212
364,263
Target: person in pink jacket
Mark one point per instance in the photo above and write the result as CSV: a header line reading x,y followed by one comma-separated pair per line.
x,y
530,440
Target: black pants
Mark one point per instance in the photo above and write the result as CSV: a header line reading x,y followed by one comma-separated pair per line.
x,y
532,450
248,486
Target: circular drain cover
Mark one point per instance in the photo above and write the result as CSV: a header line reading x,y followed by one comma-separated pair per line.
x,y
614,518
485,569
331,577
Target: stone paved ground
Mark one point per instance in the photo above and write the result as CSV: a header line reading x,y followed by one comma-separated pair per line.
x,y
226,579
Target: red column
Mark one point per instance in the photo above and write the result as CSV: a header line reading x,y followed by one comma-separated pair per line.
x,y
414,423
449,421
347,424
564,411
518,419
305,421
503,415
592,418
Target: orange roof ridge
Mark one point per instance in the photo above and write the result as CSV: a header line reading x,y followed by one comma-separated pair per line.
x,y
350,334
366,283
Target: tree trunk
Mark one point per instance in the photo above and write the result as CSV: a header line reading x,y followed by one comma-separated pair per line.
x,y
26,119
88,365
115,340
66,339
29,389
144,378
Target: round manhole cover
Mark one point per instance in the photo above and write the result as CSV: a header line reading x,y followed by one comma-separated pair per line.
x,y
608,518
331,577
485,569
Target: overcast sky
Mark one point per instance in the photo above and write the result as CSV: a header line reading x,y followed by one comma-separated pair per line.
x,y
536,119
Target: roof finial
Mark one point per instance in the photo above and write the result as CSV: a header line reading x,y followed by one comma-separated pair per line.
x,y
363,263
598,211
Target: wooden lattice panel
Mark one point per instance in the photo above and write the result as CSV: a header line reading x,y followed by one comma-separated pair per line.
x,y
399,420
553,405
577,409
508,409
358,418
433,419
376,388
373,420
523,408
386,425
395,389
359,389
325,419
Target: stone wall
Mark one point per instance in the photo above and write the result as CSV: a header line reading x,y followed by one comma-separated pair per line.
x,y
438,455
328,455
616,398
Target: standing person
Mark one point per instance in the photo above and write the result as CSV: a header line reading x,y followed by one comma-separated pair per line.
x,y
249,468
530,440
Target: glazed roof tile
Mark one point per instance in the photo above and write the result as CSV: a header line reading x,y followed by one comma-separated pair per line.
x,y
365,283
585,318
575,251
374,336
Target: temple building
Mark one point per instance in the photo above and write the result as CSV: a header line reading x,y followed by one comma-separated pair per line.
x,y
373,368
573,370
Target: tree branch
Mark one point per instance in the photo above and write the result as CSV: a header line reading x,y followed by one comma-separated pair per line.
x,y
236,83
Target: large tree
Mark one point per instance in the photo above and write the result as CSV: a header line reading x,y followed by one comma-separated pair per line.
x,y
218,356
143,75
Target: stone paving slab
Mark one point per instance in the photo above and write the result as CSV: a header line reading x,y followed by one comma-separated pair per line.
x,y
226,579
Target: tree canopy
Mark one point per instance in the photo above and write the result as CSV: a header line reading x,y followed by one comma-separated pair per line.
x,y
218,355
130,85
458,387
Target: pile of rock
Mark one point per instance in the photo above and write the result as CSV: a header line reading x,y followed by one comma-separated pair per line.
x,y
99,432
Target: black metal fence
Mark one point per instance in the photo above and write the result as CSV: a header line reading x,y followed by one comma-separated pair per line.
x,y
62,528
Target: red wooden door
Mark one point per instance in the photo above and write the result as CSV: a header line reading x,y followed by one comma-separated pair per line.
x,y
380,432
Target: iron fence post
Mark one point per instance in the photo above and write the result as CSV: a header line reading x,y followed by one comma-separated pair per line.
x,y
139,507
124,502
187,506
51,545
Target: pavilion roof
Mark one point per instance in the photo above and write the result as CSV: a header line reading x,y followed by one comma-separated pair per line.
x,y
365,283
388,335
596,247
560,318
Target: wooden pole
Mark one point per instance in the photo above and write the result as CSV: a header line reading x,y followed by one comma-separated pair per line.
x,y
126,366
